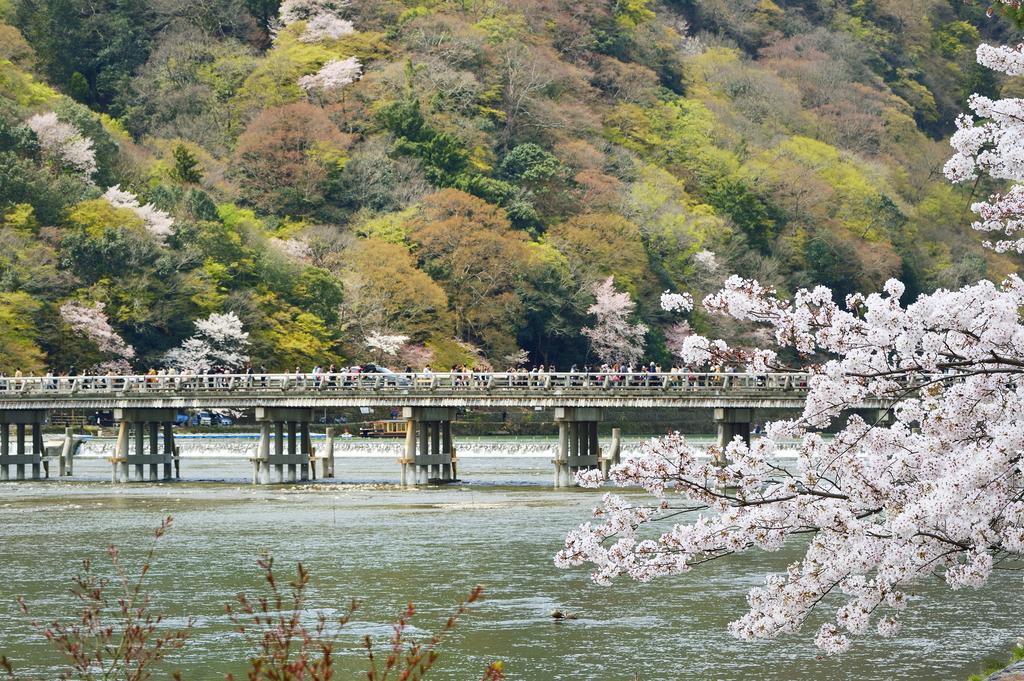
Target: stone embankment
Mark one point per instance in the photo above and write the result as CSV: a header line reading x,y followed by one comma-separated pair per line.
x,y
1015,672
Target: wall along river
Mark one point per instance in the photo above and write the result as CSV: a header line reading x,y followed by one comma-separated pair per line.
x,y
361,536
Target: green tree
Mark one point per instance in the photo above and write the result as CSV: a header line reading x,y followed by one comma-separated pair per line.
x,y
18,347
186,166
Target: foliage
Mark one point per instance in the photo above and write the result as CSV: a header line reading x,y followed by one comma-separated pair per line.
x,y
270,148
18,348
285,157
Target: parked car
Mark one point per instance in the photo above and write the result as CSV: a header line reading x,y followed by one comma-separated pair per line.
x,y
212,418
391,377
182,419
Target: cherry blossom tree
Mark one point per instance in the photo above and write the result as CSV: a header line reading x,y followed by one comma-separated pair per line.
x,y
385,345
91,321
614,338
332,77
415,356
516,359
297,249
306,10
326,27
324,20
63,144
158,223
219,342
933,485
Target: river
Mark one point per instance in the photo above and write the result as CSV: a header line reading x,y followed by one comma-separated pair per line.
x,y
363,537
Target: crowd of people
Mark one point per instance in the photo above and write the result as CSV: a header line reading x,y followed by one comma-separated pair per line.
x,y
614,374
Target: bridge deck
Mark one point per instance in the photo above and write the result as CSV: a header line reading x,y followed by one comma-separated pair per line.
x,y
239,391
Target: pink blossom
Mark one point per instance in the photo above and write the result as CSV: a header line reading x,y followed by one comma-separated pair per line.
x,y
92,322
614,338
994,145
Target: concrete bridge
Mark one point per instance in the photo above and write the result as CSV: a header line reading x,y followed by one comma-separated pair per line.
x,y
145,408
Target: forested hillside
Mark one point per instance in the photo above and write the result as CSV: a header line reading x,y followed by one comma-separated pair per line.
x,y
464,173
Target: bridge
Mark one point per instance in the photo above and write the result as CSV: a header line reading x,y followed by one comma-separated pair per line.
x,y
145,408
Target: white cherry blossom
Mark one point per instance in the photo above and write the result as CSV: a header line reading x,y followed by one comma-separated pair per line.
x,y
326,27
219,341
384,344
332,76
158,223
929,484
63,144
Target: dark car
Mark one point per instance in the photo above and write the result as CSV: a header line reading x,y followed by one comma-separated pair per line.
x,y
391,377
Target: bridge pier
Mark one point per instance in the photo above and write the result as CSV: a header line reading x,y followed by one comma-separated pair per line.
x,y
136,429
27,452
289,459
577,442
429,453
732,422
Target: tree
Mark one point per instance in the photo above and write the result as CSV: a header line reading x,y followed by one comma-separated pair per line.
x,y
326,27
219,342
285,157
91,321
934,486
385,345
331,78
385,292
18,347
599,245
186,166
63,144
469,247
157,222
614,338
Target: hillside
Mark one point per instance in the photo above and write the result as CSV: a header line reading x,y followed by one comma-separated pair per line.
x,y
463,173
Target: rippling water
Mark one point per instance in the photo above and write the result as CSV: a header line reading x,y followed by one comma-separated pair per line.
x,y
363,537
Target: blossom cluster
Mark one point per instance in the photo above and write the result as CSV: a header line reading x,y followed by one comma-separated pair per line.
x,y
332,76
219,341
388,345
614,338
63,144
994,146
92,322
324,20
934,487
326,27
158,223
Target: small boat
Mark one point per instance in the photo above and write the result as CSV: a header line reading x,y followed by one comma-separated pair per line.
x,y
387,428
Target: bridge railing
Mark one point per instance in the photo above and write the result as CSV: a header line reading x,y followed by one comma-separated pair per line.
x,y
455,382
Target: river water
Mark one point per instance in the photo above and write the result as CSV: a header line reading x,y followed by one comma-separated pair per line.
x,y
363,537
